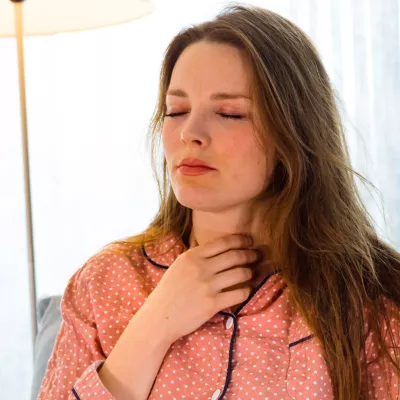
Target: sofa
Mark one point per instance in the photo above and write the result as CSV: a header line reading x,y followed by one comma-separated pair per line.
x,y
49,322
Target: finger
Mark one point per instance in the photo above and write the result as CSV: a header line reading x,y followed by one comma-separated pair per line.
x,y
230,278
232,258
225,243
232,297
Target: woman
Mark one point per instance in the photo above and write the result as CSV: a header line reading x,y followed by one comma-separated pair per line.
x,y
261,277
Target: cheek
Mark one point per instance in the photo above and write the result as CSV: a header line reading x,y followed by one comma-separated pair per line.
x,y
165,142
245,157
169,142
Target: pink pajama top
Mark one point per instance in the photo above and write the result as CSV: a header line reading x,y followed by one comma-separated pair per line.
x,y
264,350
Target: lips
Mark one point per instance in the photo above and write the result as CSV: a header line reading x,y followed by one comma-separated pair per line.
x,y
194,162
192,171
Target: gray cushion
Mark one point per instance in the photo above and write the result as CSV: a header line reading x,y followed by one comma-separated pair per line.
x,y
49,322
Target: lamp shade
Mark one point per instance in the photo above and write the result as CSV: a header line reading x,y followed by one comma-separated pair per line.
x,y
46,17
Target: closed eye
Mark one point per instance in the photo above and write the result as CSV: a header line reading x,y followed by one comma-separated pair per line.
x,y
175,114
231,116
222,115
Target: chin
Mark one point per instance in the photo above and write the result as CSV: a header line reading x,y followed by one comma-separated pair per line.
x,y
196,202
208,205
197,205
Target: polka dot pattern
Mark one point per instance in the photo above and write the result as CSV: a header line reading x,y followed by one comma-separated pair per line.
x,y
264,351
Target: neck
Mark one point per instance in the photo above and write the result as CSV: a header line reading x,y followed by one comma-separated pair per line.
x,y
210,226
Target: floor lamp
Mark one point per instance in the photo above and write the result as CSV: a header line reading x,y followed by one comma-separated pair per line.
x,y
19,18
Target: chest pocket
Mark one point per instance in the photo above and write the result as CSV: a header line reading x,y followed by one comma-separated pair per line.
x,y
307,375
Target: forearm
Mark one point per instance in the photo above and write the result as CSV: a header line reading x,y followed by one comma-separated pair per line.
x,y
132,366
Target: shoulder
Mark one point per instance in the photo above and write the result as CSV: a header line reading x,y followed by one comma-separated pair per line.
x,y
114,282
123,271
119,277
124,258
112,267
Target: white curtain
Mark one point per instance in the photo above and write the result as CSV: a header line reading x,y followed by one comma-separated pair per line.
x,y
359,41
90,96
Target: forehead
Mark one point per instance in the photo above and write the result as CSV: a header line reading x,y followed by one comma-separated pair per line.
x,y
205,66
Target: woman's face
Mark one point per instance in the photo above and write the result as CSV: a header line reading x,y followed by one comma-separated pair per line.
x,y
209,83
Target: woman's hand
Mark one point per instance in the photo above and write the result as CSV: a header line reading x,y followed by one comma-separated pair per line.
x,y
194,288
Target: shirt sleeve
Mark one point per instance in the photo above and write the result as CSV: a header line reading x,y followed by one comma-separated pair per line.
x,y
72,370
383,377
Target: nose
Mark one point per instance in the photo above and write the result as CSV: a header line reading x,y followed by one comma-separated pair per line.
x,y
190,137
194,131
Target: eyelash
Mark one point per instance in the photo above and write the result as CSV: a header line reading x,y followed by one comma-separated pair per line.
x,y
222,115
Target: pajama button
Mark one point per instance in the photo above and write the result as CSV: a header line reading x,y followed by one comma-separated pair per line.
x,y
229,323
216,394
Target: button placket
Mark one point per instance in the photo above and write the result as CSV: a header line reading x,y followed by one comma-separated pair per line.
x,y
230,323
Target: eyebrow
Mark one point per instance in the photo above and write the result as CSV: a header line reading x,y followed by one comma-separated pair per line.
x,y
214,96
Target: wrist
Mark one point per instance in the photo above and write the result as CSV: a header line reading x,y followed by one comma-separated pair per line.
x,y
154,325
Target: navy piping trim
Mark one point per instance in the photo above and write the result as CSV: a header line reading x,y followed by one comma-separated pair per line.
x,y
252,294
229,372
75,394
300,341
151,261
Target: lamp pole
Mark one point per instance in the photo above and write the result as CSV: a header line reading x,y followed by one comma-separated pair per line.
x,y
18,4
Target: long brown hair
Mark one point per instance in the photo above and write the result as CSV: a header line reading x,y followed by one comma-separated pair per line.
x,y
321,235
